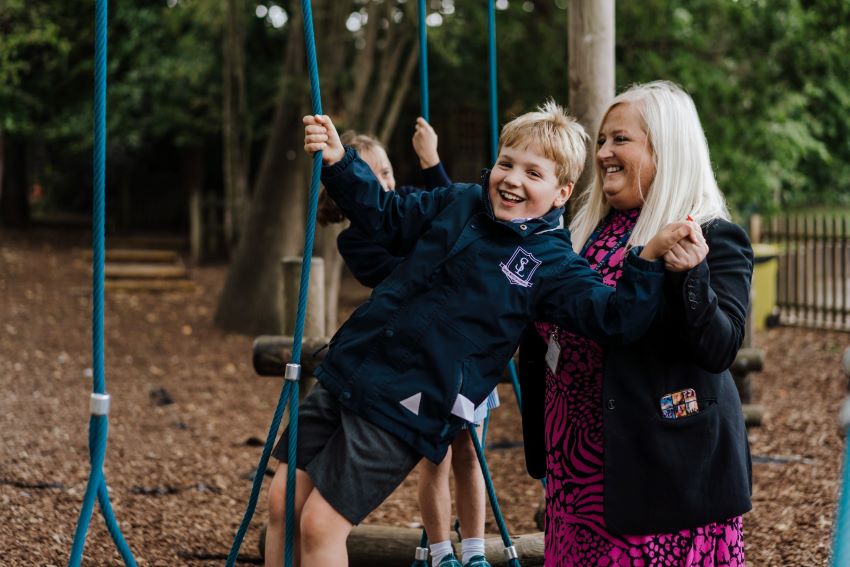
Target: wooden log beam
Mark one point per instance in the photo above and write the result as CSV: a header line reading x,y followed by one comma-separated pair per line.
x,y
385,546
272,352
149,285
753,414
145,271
127,255
748,360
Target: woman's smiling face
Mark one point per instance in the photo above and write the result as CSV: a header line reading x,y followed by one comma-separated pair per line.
x,y
624,157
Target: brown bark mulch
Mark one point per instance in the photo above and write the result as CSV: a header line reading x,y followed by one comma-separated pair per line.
x,y
188,409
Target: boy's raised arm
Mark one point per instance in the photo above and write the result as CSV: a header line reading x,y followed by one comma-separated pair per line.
x,y
577,299
384,216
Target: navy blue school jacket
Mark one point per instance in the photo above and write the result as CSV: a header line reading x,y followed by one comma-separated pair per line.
x,y
369,262
430,343
664,475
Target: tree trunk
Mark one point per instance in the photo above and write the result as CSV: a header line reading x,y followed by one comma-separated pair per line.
x,y
2,158
236,123
192,184
364,62
391,117
327,248
591,70
251,301
14,202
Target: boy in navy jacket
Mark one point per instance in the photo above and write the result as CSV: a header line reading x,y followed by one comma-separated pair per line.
x,y
406,371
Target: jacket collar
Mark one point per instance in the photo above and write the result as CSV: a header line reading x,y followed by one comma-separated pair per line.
x,y
553,220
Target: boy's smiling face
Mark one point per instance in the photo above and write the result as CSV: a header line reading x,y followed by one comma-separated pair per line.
x,y
524,184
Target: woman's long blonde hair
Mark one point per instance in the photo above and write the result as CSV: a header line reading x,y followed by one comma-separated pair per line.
x,y
684,182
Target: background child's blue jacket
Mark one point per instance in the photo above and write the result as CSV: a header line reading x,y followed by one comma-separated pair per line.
x,y
369,262
436,334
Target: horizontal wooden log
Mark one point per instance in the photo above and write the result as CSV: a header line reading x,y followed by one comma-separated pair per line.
x,y
144,271
129,255
748,360
385,546
753,414
149,285
148,241
271,353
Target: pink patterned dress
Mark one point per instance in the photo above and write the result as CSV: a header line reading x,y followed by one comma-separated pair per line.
x,y
575,527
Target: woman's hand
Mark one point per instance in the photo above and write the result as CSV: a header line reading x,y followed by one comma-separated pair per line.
x,y
688,252
666,239
320,135
425,144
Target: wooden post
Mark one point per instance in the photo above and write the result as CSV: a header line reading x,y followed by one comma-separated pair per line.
x,y
196,227
591,70
755,228
314,321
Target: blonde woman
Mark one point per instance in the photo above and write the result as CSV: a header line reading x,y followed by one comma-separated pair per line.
x,y
643,446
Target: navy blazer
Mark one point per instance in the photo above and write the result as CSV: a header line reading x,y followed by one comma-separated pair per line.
x,y
430,343
664,475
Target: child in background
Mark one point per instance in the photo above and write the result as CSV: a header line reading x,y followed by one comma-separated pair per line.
x,y
405,373
371,263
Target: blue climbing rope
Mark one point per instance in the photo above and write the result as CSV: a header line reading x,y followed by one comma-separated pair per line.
x,y
841,537
291,388
98,422
494,137
423,62
494,102
421,557
510,551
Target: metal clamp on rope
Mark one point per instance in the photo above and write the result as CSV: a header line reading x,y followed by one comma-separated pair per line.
x,y
510,553
421,554
293,372
99,404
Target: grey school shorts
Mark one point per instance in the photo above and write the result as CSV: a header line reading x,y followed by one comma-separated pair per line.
x,y
354,465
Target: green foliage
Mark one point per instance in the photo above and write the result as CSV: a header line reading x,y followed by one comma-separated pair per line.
x,y
769,78
33,50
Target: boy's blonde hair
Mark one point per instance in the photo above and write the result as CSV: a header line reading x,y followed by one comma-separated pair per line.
x,y
684,181
555,134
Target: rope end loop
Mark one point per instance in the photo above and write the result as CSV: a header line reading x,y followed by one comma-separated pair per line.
x,y
99,404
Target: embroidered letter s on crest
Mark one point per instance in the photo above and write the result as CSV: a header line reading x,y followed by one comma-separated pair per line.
x,y
520,268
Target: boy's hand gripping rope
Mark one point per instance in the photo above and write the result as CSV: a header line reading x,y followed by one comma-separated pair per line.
x,y
290,389
99,401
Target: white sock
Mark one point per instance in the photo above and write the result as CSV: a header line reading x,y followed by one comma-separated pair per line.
x,y
440,550
470,547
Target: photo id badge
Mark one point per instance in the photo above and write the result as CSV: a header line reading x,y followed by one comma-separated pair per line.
x,y
553,352
679,404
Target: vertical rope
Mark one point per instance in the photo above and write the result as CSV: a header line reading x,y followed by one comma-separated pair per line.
x,y
423,62
98,424
841,537
491,493
259,474
494,136
494,103
515,384
291,389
